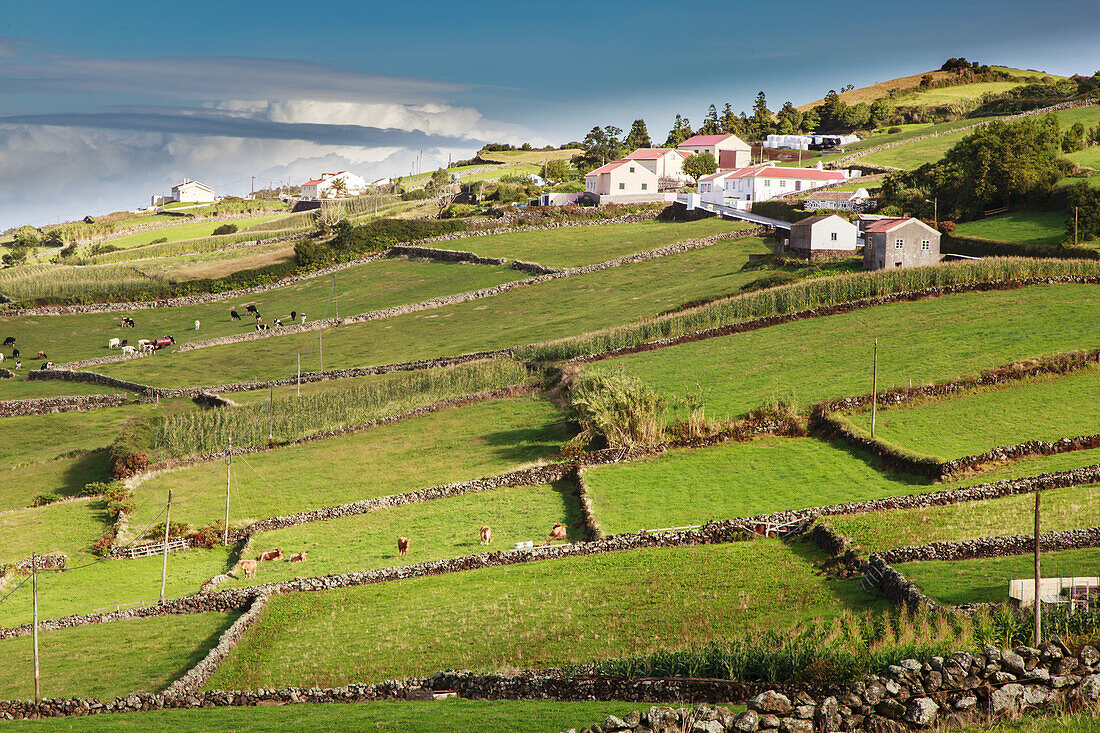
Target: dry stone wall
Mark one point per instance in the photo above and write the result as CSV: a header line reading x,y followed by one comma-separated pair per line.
x,y
73,403
444,255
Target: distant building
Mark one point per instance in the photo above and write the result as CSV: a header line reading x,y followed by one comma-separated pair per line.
x,y
729,151
858,200
906,242
621,178
186,192
325,186
740,188
824,236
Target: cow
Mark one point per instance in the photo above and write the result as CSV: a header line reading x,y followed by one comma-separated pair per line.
x,y
41,355
9,341
276,554
294,315
47,365
486,535
18,364
303,316
1,356
403,546
278,323
249,568
234,315
114,343
298,556
15,353
259,318
196,325
250,308
128,322
558,532
129,350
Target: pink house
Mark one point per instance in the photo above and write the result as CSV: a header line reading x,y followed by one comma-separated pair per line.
x,y
621,178
663,162
729,151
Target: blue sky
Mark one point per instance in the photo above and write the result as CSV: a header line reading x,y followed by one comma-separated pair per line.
x,y
103,104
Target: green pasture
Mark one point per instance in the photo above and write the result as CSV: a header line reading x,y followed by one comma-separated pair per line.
x,y
956,95
528,156
218,264
358,289
914,154
1065,508
62,476
986,579
535,615
972,424
67,528
109,661
493,174
575,246
101,586
908,132
189,230
451,445
920,342
549,310
1089,157
437,529
1018,227
686,487
20,388
395,716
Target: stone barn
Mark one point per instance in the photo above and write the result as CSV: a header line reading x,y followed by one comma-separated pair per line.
x,y
906,242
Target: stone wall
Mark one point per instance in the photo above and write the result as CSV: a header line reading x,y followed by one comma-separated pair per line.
x,y
1020,544
532,268
591,524
444,255
74,403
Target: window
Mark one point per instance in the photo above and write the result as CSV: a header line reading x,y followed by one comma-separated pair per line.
x,y
898,243
782,183
767,183
832,236
925,245
798,185
623,185
631,169
644,186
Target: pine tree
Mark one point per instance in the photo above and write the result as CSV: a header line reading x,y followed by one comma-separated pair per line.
x,y
638,137
681,130
730,123
711,126
761,118
789,120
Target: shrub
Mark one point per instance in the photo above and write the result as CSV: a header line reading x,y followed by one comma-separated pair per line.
x,y
130,451
616,410
158,240
44,499
419,194
96,488
770,280
119,500
102,545
947,227
176,529
209,536
893,130
225,229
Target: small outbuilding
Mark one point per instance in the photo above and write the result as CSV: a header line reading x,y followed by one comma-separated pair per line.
x,y
905,242
825,236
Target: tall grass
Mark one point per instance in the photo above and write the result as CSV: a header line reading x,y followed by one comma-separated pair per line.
x,y
292,417
802,296
191,246
48,283
616,410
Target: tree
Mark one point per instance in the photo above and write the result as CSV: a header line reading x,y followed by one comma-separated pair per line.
x,y
1074,138
638,137
699,165
789,120
711,125
681,130
880,112
761,117
811,120
730,122
340,186
601,145
52,238
555,170
438,180
1086,201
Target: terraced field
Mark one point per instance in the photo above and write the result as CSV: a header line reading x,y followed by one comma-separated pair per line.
x,y
1019,227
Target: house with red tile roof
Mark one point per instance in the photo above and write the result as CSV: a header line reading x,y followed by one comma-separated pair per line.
x,y
898,242
729,151
325,186
664,162
740,188
621,178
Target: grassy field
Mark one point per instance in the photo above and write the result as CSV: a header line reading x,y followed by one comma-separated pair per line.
x,y
394,716
19,387
1065,508
986,579
107,661
956,95
437,529
187,231
465,443
577,246
687,487
925,341
528,156
216,264
878,90
111,583
494,173
1089,157
1032,467
972,424
67,528
534,615
549,310
1019,227
358,289
62,476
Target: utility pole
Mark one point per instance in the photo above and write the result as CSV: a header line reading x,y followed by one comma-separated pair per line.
x,y
935,211
874,390
34,593
228,471
299,375
271,413
1038,603
335,297
164,562
321,345
1074,226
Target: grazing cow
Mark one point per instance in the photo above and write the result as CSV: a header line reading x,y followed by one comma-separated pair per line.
x,y
486,535
41,355
250,308
18,364
558,532
142,343
276,554
9,341
129,350
249,568
278,323
403,546
261,326
128,322
124,342
15,353
258,316
303,318
1,356
114,343
234,315
294,315
196,325
148,348
47,365
298,556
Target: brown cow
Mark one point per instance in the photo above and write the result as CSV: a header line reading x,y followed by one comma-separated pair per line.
x,y
41,354
558,532
486,535
403,545
298,556
249,568
276,554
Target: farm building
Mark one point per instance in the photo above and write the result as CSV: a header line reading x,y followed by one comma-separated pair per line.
x,y
729,151
740,188
621,178
187,191
325,186
858,200
906,242
823,237
664,162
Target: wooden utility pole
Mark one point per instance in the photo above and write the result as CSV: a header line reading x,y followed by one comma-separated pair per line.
x,y
34,593
874,390
299,375
321,344
1038,603
335,298
228,472
1074,226
271,413
164,563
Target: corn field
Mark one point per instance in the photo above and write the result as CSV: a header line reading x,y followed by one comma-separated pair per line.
x,y
191,246
805,295
291,417
28,283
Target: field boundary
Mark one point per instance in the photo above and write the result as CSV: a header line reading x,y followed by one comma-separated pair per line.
x,y
62,403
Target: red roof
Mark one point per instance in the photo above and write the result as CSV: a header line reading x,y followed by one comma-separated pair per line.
x,y
606,168
701,140
884,225
805,174
313,183
648,153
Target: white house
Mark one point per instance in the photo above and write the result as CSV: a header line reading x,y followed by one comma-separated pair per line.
x,y
729,151
380,183
325,186
663,162
740,188
621,178
186,192
823,236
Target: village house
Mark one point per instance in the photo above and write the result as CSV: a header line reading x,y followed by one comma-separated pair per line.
x,y
186,192
905,242
621,180
325,187
740,188
665,163
858,201
825,236
729,151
